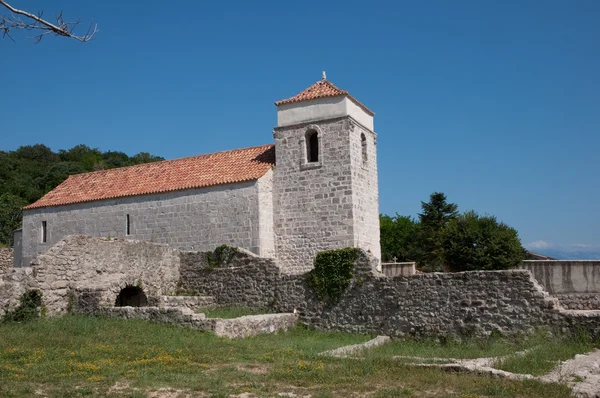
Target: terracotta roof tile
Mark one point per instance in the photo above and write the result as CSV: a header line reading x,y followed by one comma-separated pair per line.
x,y
321,89
226,167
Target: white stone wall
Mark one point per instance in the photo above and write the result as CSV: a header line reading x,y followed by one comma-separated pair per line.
x,y
365,189
314,209
194,219
266,234
321,109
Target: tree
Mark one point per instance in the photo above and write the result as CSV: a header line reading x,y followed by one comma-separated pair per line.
x,y
10,216
434,219
35,22
27,173
399,238
473,242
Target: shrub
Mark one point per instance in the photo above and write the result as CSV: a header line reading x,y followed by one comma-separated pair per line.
x,y
473,242
220,256
333,272
28,308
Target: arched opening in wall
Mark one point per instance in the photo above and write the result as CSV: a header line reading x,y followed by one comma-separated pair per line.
x,y
312,146
363,143
131,296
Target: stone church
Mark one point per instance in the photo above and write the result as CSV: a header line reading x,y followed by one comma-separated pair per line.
x,y
314,189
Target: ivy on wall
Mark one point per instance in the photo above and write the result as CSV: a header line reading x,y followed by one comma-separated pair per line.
x,y
333,272
220,256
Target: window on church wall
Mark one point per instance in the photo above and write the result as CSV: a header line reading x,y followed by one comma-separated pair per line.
x,y
363,143
127,225
44,232
312,147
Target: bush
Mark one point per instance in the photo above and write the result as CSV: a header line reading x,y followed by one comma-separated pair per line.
x,y
473,242
28,308
333,272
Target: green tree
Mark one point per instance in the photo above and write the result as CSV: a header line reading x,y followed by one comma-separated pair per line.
x,y
436,215
473,242
399,238
58,173
10,216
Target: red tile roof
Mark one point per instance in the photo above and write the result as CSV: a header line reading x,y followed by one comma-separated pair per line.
x,y
321,89
226,167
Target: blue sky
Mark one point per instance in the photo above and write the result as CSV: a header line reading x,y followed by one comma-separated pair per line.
x,y
495,103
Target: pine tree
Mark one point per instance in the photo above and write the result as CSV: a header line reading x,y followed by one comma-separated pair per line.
x,y
434,219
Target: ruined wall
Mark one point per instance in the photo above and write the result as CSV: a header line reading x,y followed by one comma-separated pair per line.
x,y
6,259
105,265
194,219
465,303
576,283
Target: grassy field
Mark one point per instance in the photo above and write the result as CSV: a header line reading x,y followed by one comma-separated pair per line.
x,y
79,356
231,312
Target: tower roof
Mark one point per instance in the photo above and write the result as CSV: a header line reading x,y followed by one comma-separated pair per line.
x,y
322,89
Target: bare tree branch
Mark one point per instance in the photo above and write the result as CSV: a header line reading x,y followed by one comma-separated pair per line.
x,y
37,23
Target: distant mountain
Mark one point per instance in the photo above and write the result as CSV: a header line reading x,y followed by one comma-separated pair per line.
x,y
569,255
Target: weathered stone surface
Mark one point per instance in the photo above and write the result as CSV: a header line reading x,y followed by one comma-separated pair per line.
x,y
252,325
580,301
566,276
86,274
193,219
245,326
191,302
466,303
102,265
355,348
328,204
6,259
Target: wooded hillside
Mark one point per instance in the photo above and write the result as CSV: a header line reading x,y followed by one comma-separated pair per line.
x,y
31,171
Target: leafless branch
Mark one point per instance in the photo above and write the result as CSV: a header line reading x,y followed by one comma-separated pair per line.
x,y
37,23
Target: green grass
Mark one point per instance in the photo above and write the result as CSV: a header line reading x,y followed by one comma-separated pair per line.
x,y
466,349
546,353
96,357
232,312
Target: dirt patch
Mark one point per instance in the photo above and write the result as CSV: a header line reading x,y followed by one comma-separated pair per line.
x,y
254,368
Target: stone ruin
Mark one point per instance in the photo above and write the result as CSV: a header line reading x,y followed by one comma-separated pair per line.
x,y
125,278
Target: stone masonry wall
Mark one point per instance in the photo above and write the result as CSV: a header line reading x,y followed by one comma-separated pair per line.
x,y
266,238
79,263
94,270
566,276
365,189
313,201
576,283
466,303
195,219
6,259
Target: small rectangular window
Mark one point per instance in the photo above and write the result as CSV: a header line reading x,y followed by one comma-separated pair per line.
x,y
127,225
44,232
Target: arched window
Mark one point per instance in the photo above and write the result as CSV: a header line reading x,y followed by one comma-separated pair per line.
x,y
363,143
312,146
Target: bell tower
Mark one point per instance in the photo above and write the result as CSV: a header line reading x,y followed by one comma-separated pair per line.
x,y
325,189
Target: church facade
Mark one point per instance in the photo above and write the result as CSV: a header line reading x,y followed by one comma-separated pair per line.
x,y
314,189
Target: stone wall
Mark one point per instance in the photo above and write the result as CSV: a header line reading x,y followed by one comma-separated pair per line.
x,y
566,276
466,303
102,264
365,188
398,269
6,259
327,204
576,283
90,272
194,219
